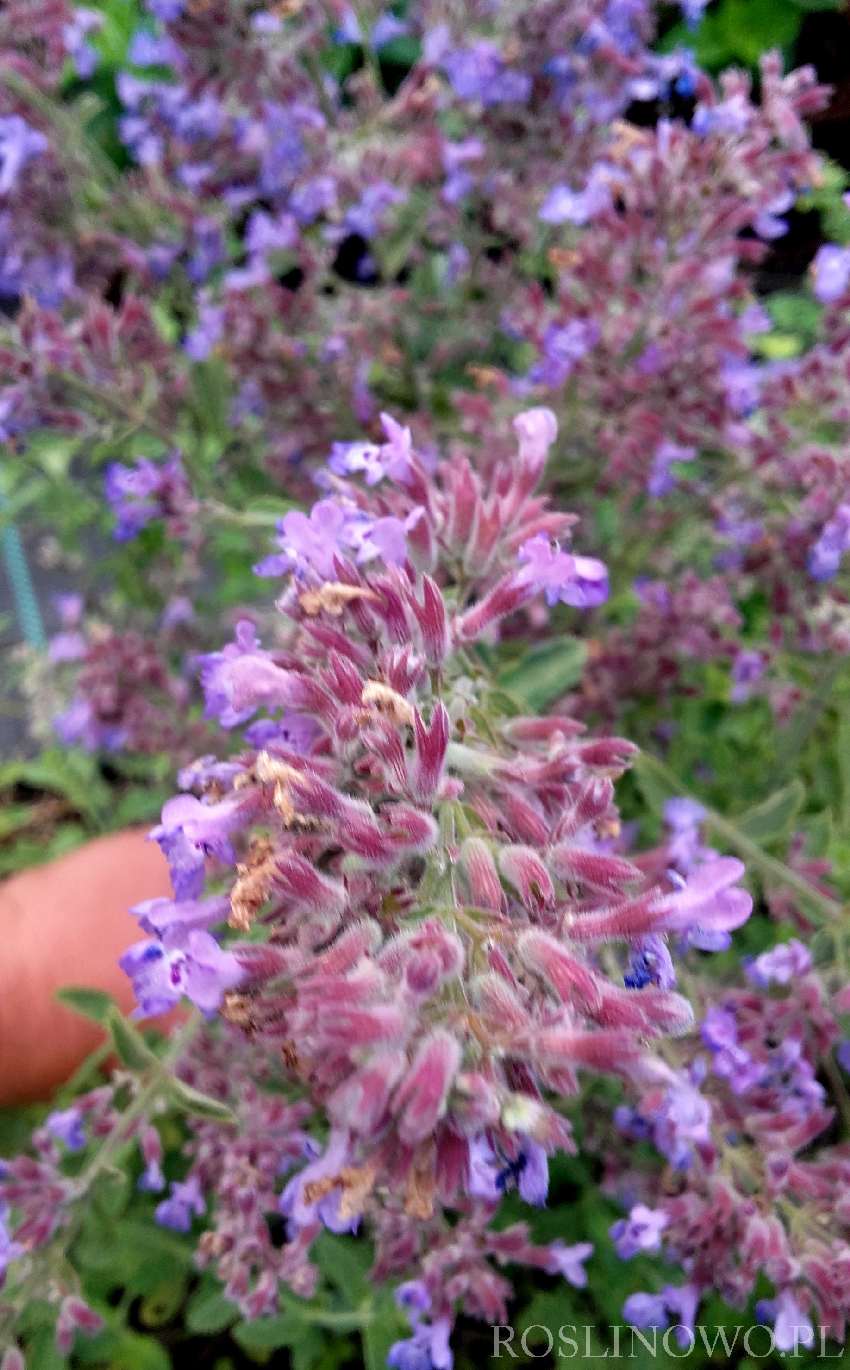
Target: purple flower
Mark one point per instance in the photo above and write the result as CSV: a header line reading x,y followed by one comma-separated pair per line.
x,y
207,249
413,1296
645,1310
536,430
152,1180
729,1060
302,1212
9,1250
831,272
184,1203
74,35
19,143
427,1349
709,905
742,383
479,73
655,1310
684,817
298,732
265,234
69,644
66,647
661,479
207,333
190,964
157,916
167,10
152,50
375,461
207,825
186,862
492,1176
357,458
385,538
568,1261
78,726
747,669
825,556
641,1231
310,542
682,1123
66,1125
650,964
565,206
780,965
563,347
386,29
138,494
792,1328
366,217
579,581
768,224
312,198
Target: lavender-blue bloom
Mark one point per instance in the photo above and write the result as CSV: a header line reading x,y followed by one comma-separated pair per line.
x,y
479,73
75,34
19,143
9,1250
730,1060
565,206
831,272
184,1203
661,478
301,1211
67,1126
563,348
579,581
568,1261
826,555
144,492
641,1231
780,965
748,668
650,964
186,963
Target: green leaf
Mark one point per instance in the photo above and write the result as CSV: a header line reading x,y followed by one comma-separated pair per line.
x,y
129,1043
110,1194
545,673
270,1334
209,1312
120,1349
162,1304
346,1262
90,1003
202,1105
386,1326
653,788
773,819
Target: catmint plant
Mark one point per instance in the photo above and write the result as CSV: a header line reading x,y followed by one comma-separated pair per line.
x,y
402,901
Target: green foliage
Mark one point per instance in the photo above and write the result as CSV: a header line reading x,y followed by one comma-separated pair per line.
x,y
539,675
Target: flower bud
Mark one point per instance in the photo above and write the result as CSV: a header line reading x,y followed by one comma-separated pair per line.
x,y
524,870
480,873
420,1100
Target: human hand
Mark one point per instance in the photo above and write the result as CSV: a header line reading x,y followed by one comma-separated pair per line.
x,y
62,924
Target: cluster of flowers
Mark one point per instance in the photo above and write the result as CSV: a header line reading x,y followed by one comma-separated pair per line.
x,y
328,209
753,1191
433,932
743,1116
